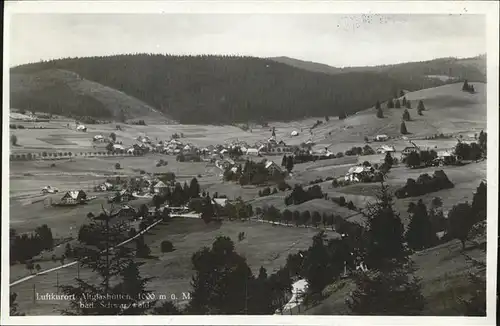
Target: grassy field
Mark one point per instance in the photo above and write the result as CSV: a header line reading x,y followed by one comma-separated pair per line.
x,y
265,245
449,110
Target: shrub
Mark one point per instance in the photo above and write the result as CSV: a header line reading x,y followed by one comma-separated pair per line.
x,y
167,246
117,166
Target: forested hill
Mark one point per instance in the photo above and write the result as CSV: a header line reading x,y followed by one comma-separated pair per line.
x,y
225,89
472,69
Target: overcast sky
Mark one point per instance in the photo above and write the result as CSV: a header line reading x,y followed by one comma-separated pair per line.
x,y
334,39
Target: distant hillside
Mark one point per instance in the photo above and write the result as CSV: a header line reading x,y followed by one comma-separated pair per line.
x,y
473,69
211,89
449,110
66,93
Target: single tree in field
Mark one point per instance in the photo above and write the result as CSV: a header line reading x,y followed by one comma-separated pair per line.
x,y
388,160
296,218
377,106
327,118
289,164
461,220
117,166
479,202
112,136
38,268
404,102
482,142
316,218
284,161
406,115
421,106
390,104
397,104
13,140
380,113
30,266
466,86
194,188
305,217
342,115
403,129
420,233
287,216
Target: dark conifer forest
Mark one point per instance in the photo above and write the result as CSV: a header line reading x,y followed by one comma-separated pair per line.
x,y
214,89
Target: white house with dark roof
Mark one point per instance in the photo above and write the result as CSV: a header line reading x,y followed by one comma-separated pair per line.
x,y
272,167
74,196
159,187
385,149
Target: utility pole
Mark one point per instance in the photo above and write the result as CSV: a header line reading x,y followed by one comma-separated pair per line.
x,y
34,293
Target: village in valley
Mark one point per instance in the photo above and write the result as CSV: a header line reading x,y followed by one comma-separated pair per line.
x,y
158,184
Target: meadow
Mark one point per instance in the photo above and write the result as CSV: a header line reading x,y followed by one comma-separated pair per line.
x,y
448,110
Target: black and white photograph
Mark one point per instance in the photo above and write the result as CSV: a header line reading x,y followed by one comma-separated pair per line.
x,y
280,164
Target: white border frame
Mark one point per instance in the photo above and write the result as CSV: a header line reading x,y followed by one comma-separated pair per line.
x,y
488,8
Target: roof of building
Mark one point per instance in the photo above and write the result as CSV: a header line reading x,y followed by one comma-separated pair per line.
x,y
160,184
220,201
74,193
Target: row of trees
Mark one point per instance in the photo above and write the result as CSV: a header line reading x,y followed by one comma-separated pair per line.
x,y
424,184
299,218
299,195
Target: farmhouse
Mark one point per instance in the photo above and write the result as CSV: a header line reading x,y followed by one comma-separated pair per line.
x,y
253,151
381,137
49,189
410,149
104,186
272,167
160,187
294,133
222,202
74,197
127,211
144,139
385,149
355,173
81,128
118,148
99,138
445,157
